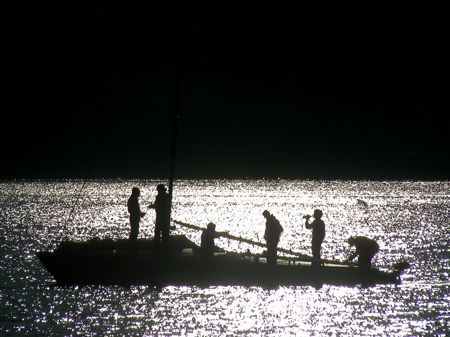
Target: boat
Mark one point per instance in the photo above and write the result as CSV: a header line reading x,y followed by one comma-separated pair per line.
x,y
120,262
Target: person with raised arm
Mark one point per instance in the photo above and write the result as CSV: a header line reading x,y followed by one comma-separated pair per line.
x,y
318,234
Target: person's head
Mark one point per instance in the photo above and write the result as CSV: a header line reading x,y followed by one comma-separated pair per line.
x,y
161,188
211,227
135,191
351,241
317,214
266,213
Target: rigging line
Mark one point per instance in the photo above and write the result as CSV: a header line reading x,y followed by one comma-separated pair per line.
x,y
95,157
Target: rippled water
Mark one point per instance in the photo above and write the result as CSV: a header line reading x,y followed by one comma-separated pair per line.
x,y
410,220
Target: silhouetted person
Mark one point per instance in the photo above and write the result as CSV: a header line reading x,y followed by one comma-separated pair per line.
x,y
318,234
207,239
162,206
272,236
135,212
365,250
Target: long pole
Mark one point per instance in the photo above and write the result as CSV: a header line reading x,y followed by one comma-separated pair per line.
x,y
244,240
301,257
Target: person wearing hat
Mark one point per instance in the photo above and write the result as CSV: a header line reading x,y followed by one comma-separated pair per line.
x,y
318,234
162,222
365,249
272,236
135,212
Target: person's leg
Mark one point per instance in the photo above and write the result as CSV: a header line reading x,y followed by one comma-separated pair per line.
x,y
157,239
165,239
271,252
134,229
316,253
364,261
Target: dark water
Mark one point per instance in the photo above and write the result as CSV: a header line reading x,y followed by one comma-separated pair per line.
x,y
410,220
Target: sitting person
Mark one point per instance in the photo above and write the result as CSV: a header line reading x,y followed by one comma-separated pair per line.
x,y
207,239
365,250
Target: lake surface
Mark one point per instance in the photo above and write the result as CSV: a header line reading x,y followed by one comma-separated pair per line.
x,y
410,221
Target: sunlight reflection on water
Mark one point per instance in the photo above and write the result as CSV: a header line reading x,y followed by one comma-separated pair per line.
x,y
410,220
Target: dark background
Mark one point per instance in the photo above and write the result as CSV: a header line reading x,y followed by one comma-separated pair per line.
x,y
267,91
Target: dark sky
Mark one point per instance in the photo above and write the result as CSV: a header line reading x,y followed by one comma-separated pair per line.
x,y
269,91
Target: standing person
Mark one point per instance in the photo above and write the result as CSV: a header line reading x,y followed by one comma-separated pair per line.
x,y
365,250
318,234
272,236
135,212
162,206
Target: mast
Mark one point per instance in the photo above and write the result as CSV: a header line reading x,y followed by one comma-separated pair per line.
x,y
177,109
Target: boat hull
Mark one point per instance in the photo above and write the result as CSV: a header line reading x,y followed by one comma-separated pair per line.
x,y
127,267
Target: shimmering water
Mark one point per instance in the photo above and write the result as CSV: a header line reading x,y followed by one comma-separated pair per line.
x,y
410,220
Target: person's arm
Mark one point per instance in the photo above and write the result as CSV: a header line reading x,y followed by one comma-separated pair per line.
x,y
309,225
133,208
138,209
